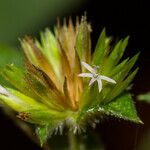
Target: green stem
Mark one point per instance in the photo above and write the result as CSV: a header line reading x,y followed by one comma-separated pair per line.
x,y
46,146
72,141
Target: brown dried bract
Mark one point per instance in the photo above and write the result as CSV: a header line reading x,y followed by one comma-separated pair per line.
x,y
23,116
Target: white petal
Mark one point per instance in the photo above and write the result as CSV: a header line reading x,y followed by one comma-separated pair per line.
x,y
88,67
99,85
92,81
108,79
85,75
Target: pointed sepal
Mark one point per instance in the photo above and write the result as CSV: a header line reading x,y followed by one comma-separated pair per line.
x,y
83,40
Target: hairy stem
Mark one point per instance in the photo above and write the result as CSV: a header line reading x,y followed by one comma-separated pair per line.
x,y
72,141
47,147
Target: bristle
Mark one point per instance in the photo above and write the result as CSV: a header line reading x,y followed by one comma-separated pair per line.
x,y
64,23
58,23
77,24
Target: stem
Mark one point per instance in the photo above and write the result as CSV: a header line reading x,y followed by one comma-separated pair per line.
x,y
72,141
46,147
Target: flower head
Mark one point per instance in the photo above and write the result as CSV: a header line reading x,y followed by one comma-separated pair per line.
x,y
48,91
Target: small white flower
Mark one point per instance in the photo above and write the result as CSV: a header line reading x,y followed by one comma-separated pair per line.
x,y
95,76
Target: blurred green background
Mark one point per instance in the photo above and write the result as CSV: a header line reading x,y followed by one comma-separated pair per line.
x,y
20,17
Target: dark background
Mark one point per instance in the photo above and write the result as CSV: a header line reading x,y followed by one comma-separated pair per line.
x,y
121,18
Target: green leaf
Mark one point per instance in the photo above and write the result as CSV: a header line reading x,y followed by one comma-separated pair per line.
x,y
42,133
144,97
122,107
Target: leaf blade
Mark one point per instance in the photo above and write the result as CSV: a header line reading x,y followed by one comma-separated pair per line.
x,y
122,107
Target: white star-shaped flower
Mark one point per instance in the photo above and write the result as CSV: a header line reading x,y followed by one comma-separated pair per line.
x,y
95,76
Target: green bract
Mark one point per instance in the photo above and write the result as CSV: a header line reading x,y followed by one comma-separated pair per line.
x,y
48,91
